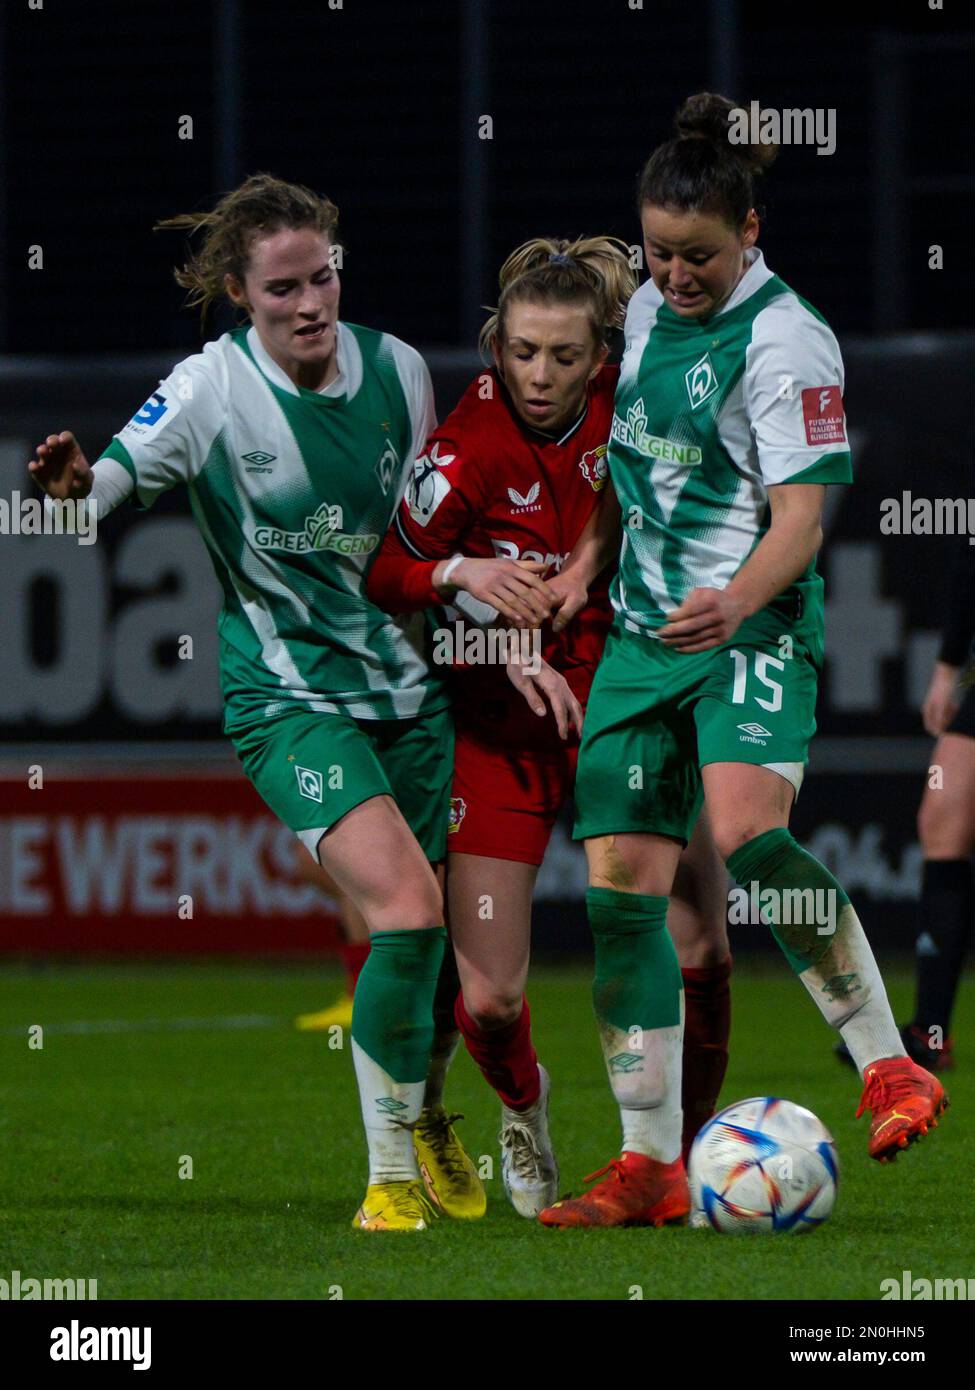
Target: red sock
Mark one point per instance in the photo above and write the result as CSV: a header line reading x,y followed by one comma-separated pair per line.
x,y
505,1056
353,958
707,1024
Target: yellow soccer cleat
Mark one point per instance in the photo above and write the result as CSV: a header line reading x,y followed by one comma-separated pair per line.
x,y
394,1206
338,1015
449,1175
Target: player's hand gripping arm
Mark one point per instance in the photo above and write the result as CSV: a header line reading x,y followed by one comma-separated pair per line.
x,y
708,617
399,582
513,587
598,545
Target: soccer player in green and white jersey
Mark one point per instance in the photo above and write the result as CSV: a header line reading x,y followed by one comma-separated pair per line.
x,y
294,437
728,424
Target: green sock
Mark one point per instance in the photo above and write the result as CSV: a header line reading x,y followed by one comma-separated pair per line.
x,y
638,979
801,889
392,1032
392,1018
814,922
637,996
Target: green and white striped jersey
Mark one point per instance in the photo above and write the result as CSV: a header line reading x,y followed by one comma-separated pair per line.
x,y
293,491
707,416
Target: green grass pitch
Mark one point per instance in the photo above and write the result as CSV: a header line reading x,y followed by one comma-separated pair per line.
x,y
143,1065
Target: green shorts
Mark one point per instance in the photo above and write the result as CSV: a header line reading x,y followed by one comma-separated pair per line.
x,y
656,716
311,769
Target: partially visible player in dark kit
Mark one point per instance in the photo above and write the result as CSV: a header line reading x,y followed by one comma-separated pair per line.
x,y
946,827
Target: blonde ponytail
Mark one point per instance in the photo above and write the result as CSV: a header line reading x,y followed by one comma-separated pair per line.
x,y
594,271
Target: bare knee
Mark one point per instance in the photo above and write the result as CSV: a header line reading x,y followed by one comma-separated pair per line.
x,y
942,827
493,1009
607,867
412,907
729,837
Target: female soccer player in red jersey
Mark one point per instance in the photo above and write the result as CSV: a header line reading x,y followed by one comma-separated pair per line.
x,y
508,485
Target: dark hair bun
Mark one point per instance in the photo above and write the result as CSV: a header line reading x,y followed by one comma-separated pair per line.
x,y
708,116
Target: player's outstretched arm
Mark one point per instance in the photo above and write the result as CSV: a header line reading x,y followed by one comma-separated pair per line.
x,y
61,469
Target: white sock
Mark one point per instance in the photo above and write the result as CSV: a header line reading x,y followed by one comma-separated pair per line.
x,y
850,994
389,1111
644,1067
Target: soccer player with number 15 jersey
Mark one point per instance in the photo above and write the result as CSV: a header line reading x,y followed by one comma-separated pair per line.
x,y
728,425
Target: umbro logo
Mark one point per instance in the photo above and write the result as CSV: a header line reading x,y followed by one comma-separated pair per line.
x,y
389,1105
258,461
528,503
754,733
626,1062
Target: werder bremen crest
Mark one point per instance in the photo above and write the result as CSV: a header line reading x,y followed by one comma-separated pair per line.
x,y
387,465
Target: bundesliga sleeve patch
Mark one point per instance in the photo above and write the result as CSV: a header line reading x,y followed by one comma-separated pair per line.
x,y
822,414
427,486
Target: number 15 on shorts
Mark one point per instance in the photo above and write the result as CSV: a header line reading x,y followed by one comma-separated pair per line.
x,y
761,662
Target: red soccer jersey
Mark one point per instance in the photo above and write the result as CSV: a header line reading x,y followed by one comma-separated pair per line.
x,y
486,485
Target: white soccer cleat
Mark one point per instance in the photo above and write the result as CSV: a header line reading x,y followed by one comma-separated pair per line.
x,y
528,1167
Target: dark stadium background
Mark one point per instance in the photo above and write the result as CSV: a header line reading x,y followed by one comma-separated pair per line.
x,y
377,104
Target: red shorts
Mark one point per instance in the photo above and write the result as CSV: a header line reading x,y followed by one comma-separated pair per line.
x,y
504,801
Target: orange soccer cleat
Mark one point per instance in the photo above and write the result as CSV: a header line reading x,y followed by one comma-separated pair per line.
x,y
636,1191
904,1101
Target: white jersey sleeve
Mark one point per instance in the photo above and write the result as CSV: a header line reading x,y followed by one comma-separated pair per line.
x,y
793,395
167,441
641,315
111,485
414,375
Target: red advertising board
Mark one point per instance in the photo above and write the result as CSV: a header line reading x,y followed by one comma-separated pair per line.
x,y
182,861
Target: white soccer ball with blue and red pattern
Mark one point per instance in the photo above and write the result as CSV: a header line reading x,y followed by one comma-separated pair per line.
x,y
763,1165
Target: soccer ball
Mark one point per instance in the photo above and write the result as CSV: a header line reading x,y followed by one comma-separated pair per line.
x,y
763,1165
